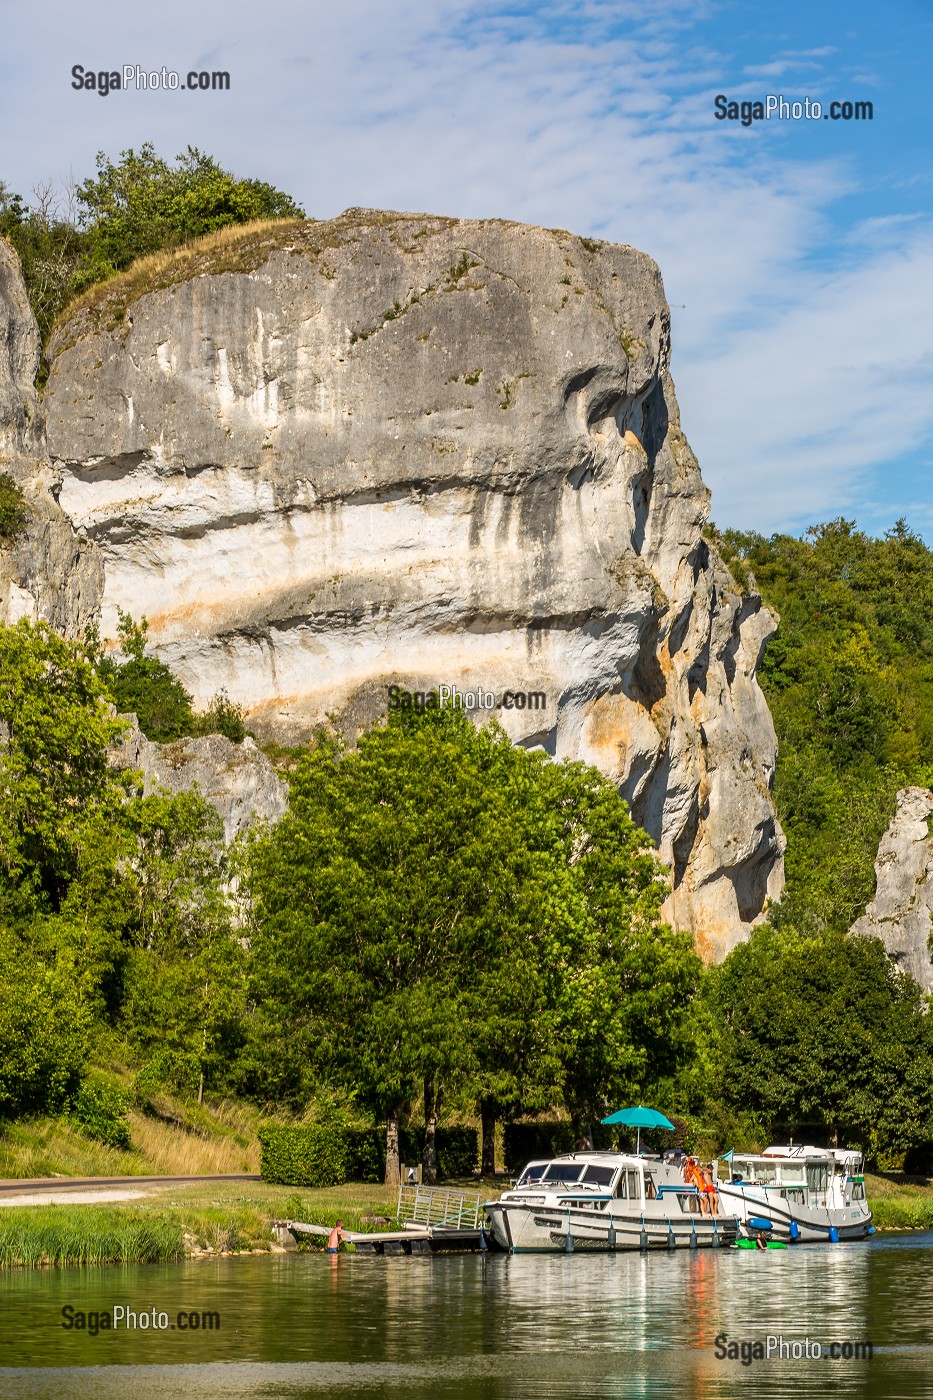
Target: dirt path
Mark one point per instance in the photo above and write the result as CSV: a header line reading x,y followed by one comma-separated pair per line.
x,y
56,1190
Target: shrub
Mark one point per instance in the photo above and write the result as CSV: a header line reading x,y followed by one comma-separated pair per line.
x,y
14,513
99,1108
223,716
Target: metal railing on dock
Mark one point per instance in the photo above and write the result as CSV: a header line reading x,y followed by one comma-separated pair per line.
x,y
437,1206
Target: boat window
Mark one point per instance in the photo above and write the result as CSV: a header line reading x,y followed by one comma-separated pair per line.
x,y
601,1176
564,1171
534,1172
796,1197
765,1175
817,1177
858,1190
634,1185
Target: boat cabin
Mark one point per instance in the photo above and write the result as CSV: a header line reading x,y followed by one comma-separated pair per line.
x,y
600,1177
805,1176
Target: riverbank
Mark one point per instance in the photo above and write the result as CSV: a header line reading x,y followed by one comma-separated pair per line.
x,y
900,1203
211,1219
170,1223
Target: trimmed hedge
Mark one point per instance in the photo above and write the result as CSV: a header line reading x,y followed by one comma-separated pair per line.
x,y
315,1155
328,1154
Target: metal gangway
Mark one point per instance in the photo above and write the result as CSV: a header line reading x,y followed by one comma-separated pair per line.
x,y
437,1207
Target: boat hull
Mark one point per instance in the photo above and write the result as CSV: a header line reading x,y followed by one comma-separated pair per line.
x,y
524,1228
814,1224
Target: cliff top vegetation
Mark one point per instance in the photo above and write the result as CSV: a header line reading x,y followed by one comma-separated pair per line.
x,y
136,206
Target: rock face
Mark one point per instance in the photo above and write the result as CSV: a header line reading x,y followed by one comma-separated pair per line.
x,y
49,571
395,450
901,912
236,779
20,430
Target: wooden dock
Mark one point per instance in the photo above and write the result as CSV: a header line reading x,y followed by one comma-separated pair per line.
x,y
436,1221
413,1239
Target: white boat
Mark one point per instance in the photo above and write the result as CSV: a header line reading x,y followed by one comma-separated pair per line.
x,y
606,1201
803,1193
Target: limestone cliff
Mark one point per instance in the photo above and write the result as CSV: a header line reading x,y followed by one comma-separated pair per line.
x,y
901,912
325,459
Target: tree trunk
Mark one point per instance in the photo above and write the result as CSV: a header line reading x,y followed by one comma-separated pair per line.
x,y
393,1173
429,1155
488,1167
582,1133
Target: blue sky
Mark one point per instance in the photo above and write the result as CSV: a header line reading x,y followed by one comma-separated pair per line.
x,y
798,256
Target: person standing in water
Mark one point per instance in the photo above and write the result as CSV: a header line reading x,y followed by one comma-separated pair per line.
x,y
337,1234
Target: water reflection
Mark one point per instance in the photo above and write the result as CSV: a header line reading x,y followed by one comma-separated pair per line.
x,y
543,1326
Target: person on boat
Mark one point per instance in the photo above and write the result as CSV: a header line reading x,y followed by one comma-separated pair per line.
x,y
337,1234
693,1177
708,1189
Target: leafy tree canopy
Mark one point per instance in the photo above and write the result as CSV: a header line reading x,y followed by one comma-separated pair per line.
x,y
438,903
143,203
54,774
825,1030
136,205
849,681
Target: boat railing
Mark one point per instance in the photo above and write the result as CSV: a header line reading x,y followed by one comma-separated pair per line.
x,y
439,1206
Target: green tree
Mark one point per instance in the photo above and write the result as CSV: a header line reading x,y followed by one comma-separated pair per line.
x,y
54,775
825,1030
182,980
143,685
50,249
849,681
45,1029
438,912
142,203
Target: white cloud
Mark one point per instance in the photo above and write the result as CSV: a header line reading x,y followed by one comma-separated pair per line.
x,y
825,392
596,117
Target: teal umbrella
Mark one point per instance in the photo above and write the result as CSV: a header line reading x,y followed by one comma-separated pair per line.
x,y
639,1118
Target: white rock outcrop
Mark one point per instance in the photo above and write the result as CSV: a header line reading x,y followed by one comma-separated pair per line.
x,y
397,450
238,780
901,913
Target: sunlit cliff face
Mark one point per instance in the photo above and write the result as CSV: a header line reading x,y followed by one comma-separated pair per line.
x,y
411,452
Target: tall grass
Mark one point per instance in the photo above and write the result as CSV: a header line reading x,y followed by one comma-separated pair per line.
x,y
233,248
56,1235
900,1203
175,1139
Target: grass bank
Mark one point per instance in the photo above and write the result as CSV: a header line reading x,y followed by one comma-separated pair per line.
x,y
171,1223
900,1202
170,1138
85,1235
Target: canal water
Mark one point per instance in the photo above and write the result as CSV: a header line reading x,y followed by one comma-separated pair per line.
x,y
484,1326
